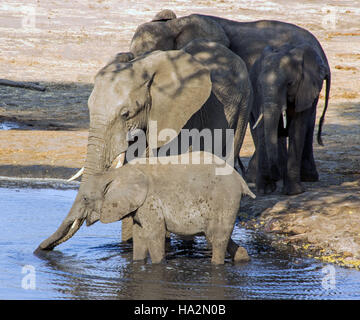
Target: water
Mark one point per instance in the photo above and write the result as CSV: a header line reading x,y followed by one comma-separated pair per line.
x,y
94,265
11,125
8,125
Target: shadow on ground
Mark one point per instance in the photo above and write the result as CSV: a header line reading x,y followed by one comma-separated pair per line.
x,y
62,106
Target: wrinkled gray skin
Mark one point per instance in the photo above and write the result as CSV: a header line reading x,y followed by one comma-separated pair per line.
x,y
160,198
245,39
202,86
285,79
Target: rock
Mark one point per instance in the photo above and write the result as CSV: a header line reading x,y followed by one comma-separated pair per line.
x,y
241,255
347,254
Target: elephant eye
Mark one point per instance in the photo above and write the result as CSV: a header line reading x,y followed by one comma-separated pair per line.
x,y
124,113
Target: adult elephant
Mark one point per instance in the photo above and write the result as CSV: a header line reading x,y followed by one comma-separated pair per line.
x,y
245,39
202,86
287,82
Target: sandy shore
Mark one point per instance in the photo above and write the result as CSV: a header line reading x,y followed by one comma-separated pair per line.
x,y
62,44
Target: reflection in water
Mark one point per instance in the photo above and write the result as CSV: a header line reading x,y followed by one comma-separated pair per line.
x,y
94,265
109,272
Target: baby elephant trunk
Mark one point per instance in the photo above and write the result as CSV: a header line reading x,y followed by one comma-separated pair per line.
x,y
67,229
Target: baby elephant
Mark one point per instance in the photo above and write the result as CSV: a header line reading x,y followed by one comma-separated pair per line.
x,y
185,199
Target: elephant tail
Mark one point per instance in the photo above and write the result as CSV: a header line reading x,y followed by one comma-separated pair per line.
x,y
321,122
245,190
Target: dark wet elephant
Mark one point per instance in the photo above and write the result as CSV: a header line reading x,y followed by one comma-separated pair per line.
x,y
247,40
287,82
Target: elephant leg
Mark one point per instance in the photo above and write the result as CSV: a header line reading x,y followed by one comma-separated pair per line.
x,y
140,245
218,254
237,253
264,182
157,248
282,147
309,172
251,170
297,132
156,241
218,233
127,229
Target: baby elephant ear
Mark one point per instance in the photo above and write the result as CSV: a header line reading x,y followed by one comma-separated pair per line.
x,y
126,193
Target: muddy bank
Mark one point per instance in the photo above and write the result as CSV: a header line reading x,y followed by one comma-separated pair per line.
x,y
42,153
321,223
37,172
62,106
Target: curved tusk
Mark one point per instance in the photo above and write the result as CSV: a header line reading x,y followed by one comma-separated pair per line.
x,y
75,224
284,119
76,175
74,227
258,121
119,160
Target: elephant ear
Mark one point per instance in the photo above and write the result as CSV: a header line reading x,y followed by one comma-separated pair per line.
x,y
164,15
179,88
151,36
126,193
312,75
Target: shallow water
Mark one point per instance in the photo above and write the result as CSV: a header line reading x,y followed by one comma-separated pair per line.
x,y
8,125
94,265
11,125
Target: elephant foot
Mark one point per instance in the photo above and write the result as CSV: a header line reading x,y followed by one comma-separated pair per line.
x,y
293,188
241,255
266,188
309,176
238,254
157,260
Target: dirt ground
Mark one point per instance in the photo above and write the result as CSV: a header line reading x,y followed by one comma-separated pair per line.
x,y
62,44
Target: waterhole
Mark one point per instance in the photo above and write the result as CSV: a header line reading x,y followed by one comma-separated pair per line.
x,y
95,265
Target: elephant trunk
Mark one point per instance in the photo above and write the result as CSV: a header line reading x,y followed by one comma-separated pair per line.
x,y
68,227
98,155
96,162
244,115
272,115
